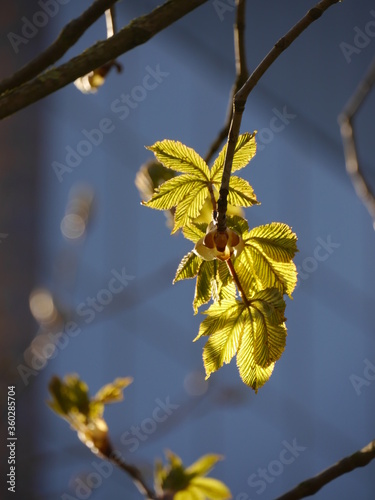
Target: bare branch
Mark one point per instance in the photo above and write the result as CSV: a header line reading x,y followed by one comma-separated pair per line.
x,y
240,98
139,31
134,473
347,464
241,74
110,20
67,38
345,119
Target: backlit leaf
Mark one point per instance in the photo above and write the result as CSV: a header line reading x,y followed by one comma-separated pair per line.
x,y
238,224
211,488
241,193
70,394
177,156
256,332
112,393
173,191
190,206
188,268
195,231
223,343
203,288
175,481
244,152
266,261
203,465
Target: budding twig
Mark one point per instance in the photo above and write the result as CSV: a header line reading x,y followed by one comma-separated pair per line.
x,y
345,119
241,96
242,74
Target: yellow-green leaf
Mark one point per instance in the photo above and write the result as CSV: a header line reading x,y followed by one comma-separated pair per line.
x,y
187,495
267,315
172,192
177,156
255,331
250,372
266,261
174,460
211,488
241,193
69,394
188,267
190,206
203,288
219,315
112,393
244,152
223,343
194,231
203,465
277,240
238,224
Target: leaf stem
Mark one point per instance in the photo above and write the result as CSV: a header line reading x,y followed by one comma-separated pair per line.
x,y
213,200
237,282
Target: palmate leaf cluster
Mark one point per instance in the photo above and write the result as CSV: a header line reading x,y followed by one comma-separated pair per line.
x,y
247,282
70,399
189,483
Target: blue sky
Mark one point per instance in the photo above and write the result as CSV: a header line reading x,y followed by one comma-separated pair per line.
x,y
311,404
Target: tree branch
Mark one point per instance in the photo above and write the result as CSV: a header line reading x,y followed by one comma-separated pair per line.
x,y
134,473
345,119
139,31
347,464
241,96
67,38
241,74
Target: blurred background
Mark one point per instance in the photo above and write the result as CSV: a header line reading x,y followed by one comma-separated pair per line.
x,y
77,246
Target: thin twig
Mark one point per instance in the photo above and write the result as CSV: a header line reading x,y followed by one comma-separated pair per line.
x,y
240,98
237,282
347,464
110,21
137,32
134,473
242,74
345,119
67,38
